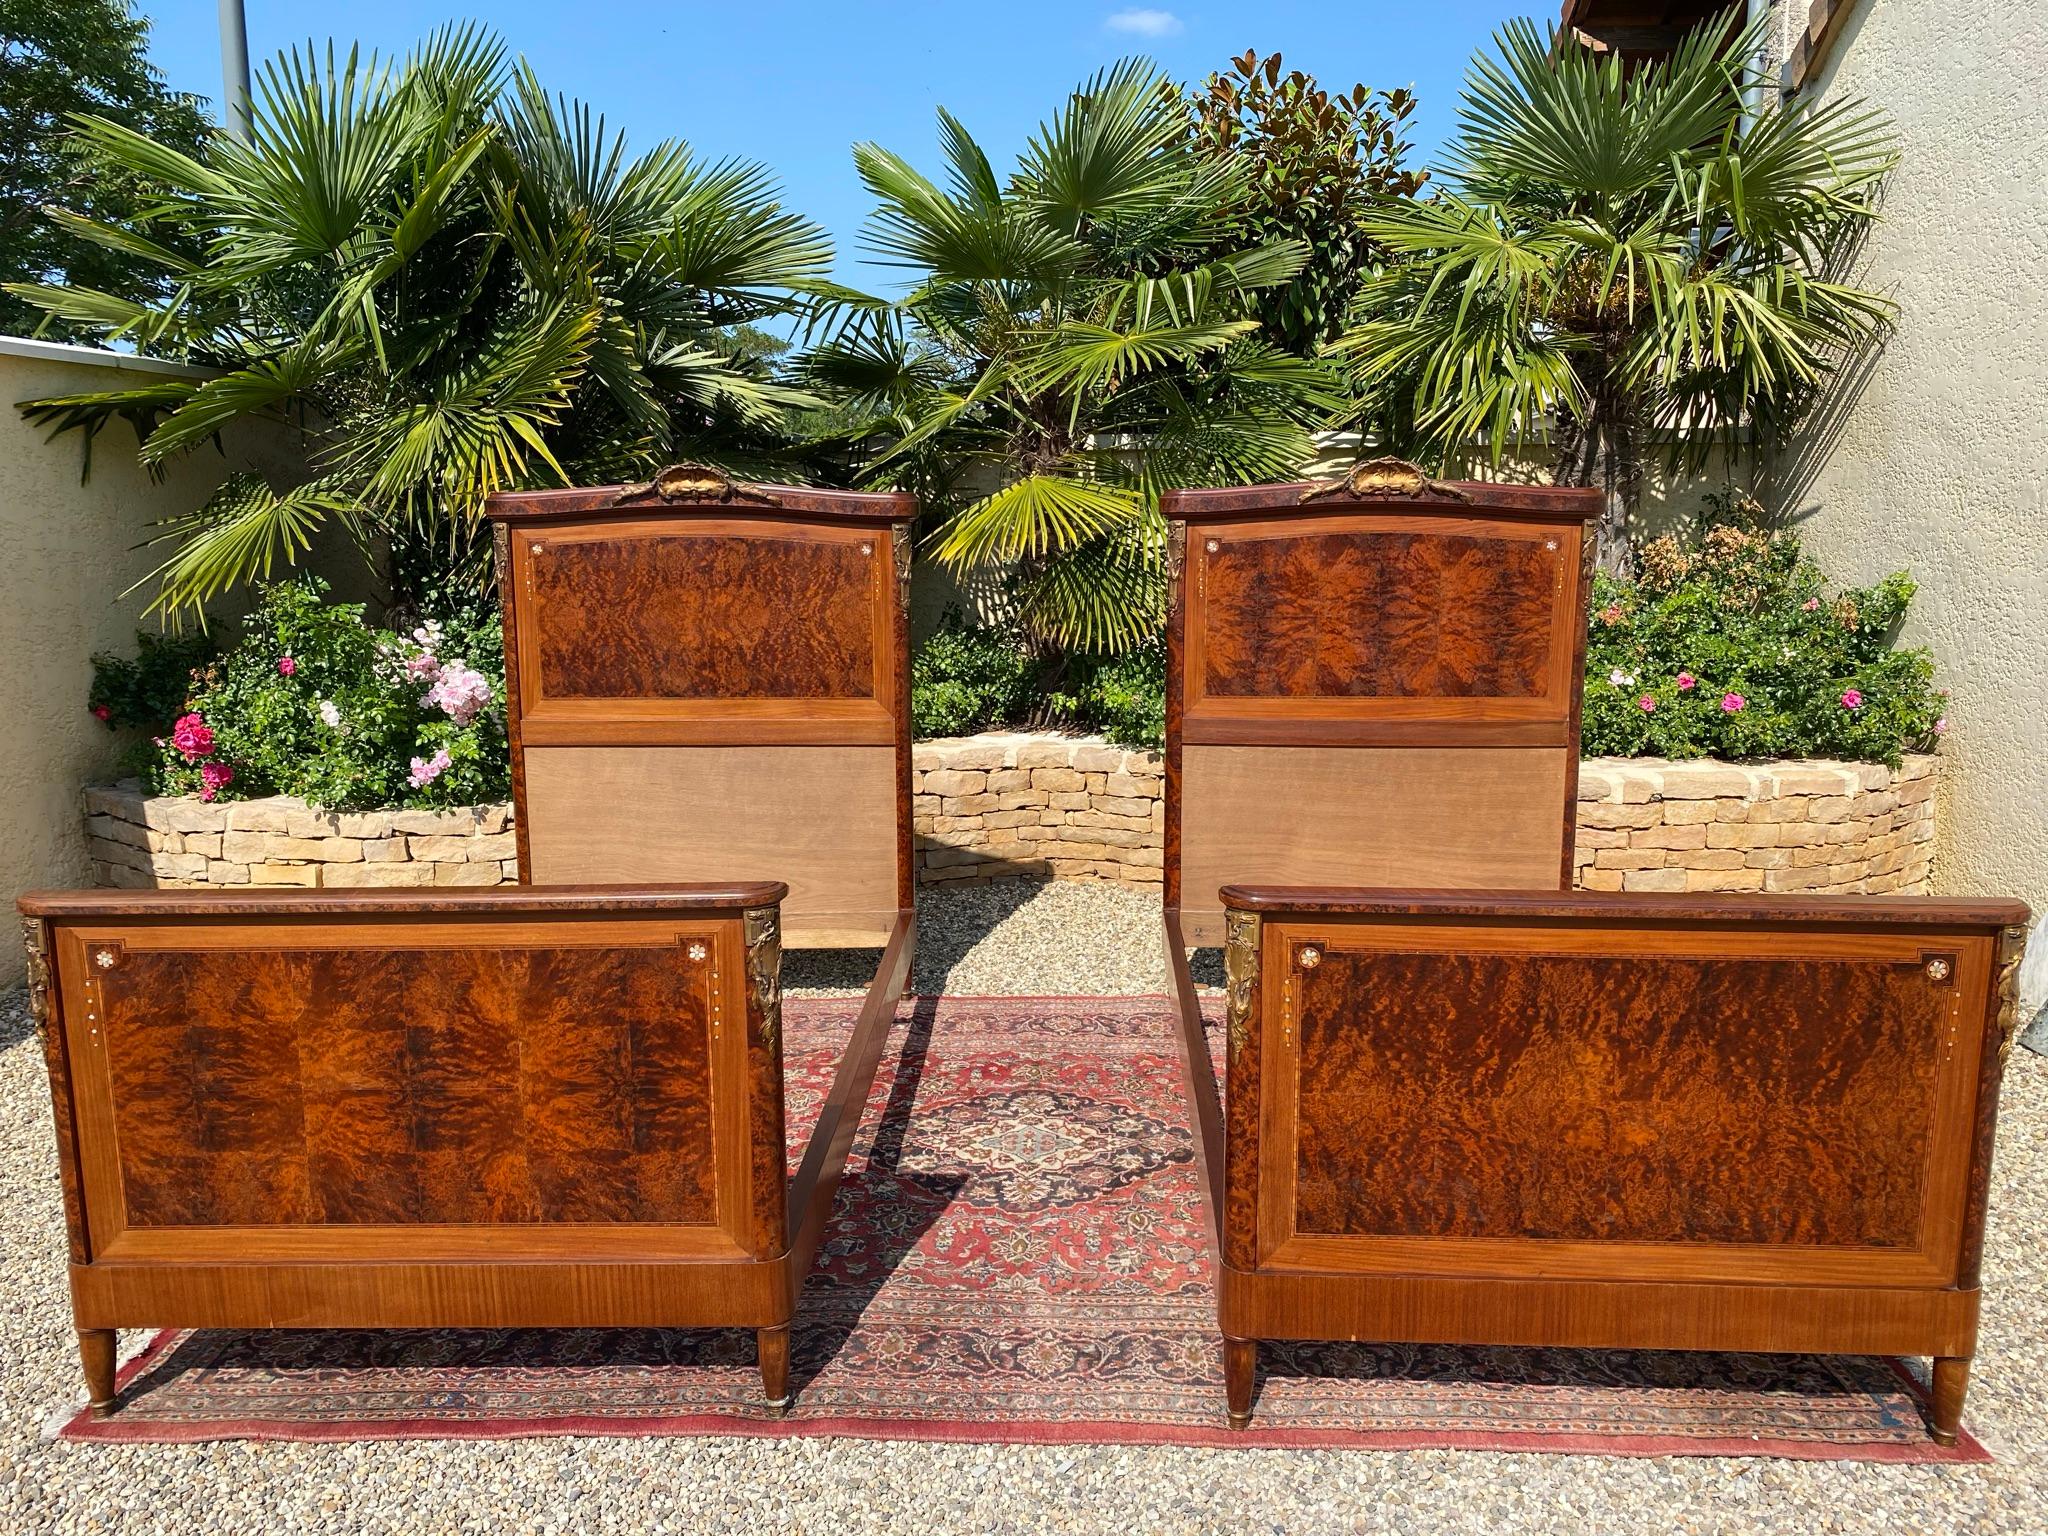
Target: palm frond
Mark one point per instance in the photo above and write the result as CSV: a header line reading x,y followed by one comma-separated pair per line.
x,y
262,386
1106,595
1035,515
244,531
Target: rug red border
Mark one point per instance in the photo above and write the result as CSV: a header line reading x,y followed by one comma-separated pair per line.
x,y
82,1427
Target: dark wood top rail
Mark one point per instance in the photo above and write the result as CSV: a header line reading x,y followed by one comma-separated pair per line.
x,y
746,500
598,900
1447,498
1632,907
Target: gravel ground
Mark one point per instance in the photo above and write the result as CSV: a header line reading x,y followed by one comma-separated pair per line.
x,y
1017,938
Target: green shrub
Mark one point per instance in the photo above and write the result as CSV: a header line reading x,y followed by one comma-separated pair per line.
x,y
148,692
1122,697
1730,646
312,701
966,678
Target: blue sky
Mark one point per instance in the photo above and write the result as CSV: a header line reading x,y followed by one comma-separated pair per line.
x,y
794,85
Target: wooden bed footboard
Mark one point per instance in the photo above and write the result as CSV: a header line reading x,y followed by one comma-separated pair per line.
x,y
548,1107
1597,1121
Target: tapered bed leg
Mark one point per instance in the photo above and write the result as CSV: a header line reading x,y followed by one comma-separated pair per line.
x,y
774,1347
1240,1367
1951,1382
96,1350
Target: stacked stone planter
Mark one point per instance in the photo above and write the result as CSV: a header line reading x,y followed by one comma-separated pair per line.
x,y
167,840
1825,828
1076,808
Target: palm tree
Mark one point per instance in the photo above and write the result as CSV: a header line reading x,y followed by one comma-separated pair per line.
x,y
1619,252
1066,351
453,284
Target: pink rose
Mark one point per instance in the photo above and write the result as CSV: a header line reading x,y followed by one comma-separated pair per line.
x,y
1852,698
1733,703
193,738
286,665
1687,681
101,712
216,777
1941,726
1647,703
461,691
427,769
1809,605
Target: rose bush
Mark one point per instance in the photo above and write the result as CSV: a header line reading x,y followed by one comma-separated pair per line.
x,y
313,701
1729,645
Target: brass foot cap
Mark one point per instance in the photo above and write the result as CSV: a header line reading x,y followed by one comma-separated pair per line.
x,y
1240,1421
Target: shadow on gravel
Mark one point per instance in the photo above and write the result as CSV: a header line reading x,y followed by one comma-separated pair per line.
x,y
951,921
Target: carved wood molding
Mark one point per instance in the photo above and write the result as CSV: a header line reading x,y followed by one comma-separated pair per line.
x,y
691,481
2012,948
1176,563
1240,976
1385,477
35,939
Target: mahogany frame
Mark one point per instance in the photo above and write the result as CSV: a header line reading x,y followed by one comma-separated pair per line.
x,y
1918,1297
1530,729
695,504
1347,1290
695,500
742,1264
1379,494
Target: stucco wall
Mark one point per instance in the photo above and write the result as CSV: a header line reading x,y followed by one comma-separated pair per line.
x,y
1939,463
69,551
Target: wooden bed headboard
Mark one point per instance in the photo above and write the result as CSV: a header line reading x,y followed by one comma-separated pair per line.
x,y
708,680
1372,682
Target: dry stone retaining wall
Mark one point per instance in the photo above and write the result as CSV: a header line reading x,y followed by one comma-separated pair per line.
x,y
996,805
1817,827
168,840
1073,808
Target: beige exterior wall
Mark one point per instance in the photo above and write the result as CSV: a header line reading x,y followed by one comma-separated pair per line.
x,y
69,549
1939,464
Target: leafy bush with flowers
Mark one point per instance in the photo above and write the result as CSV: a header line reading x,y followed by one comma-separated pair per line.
x,y
1730,645
313,701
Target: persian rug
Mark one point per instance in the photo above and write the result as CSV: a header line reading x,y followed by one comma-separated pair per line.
x,y
1017,1255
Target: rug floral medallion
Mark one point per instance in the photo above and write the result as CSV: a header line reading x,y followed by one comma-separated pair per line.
x,y
1019,1254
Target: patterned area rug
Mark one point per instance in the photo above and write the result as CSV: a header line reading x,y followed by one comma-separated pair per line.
x,y
1017,1255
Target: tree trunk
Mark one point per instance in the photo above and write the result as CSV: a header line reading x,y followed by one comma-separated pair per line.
x,y
1601,448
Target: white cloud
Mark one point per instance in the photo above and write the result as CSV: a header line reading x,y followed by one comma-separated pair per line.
x,y
1145,23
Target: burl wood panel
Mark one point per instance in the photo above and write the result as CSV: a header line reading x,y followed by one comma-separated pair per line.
x,y
824,819
687,615
1379,614
1432,817
486,1085
1637,1098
